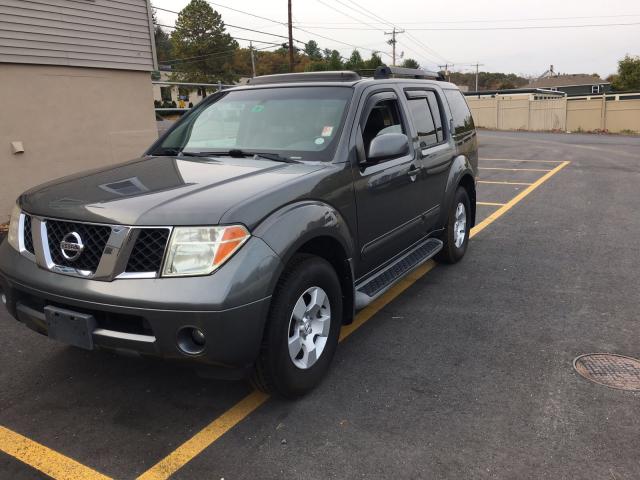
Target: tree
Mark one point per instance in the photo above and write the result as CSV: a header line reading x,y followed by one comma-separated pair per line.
x,y
410,63
628,76
164,48
201,41
355,61
334,60
313,50
374,62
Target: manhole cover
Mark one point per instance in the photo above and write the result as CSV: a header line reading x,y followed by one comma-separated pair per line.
x,y
615,371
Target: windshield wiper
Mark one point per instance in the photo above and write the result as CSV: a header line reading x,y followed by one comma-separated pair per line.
x,y
166,152
237,153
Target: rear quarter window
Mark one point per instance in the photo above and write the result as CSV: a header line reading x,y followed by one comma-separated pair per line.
x,y
462,119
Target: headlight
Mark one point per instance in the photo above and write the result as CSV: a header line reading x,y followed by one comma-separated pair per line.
x,y
200,250
14,228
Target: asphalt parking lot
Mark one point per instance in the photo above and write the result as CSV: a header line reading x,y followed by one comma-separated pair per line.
x,y
462,371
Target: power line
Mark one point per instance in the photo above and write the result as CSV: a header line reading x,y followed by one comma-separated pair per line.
x,y
231,26
364,14
212,54
350,16
419,55
521,27
409,35
273,34
248,13
385,22
344,13
363,11
341,42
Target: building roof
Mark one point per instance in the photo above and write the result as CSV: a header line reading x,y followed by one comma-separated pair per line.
x,y
567,80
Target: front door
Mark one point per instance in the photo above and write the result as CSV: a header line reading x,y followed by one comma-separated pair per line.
x,y
390,195
431,142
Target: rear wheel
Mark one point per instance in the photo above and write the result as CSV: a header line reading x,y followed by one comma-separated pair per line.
x,y
456,234
302,330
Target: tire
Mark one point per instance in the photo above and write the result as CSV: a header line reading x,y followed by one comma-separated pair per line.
x,y
298,308
452,253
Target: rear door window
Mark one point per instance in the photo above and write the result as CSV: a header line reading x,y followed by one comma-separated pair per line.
x,y
462,119
434,106
423,121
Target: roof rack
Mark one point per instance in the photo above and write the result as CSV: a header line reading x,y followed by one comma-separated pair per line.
x,y
337,76
384,71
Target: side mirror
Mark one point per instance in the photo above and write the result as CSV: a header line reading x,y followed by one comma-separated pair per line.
x,y
388,145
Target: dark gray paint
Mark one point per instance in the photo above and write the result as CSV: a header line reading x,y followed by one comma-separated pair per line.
x,y
372,213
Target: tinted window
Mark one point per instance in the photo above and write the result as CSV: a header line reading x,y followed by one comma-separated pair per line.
x,y
462,120
301,122
383,118
437,114
423,122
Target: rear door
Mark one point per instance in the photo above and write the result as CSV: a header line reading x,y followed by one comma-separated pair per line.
x,y
389,193
431,143
462,127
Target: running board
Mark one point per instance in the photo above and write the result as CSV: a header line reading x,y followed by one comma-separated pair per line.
x,y
382,281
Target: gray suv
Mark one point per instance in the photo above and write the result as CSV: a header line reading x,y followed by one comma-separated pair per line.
x,y
256,227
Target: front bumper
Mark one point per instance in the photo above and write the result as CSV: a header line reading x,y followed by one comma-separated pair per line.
x,y
144,315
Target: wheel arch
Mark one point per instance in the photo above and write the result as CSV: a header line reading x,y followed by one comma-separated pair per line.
x,y
315,228
462,174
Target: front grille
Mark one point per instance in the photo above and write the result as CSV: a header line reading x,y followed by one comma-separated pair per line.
x,y
148,251
28,235
94,238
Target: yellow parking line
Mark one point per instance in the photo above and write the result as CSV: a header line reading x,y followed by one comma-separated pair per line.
x,y
519,160
504,183
490,204
41,458
205,437
196,444
510,204
516,169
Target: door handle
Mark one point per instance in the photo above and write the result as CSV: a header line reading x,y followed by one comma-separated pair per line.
x,y
413,171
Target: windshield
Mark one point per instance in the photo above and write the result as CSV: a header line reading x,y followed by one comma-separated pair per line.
x,y
302,123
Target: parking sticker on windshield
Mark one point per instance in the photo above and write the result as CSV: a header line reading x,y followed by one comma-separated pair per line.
x,y
257,108
319,141
327,131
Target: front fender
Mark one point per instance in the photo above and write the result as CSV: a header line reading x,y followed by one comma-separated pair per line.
x,y
290,227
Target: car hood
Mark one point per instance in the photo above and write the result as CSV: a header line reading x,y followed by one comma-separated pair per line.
x,y
161,190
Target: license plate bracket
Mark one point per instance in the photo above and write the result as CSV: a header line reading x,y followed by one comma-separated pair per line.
x,y
70,327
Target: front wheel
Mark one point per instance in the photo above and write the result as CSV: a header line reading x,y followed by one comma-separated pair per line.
x,y
302,329
456,234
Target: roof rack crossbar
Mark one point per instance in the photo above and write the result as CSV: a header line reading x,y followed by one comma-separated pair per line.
x,y
331,76
384,71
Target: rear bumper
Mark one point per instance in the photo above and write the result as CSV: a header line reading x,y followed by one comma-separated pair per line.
x,y
145,315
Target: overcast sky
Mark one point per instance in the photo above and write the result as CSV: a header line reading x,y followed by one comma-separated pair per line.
x,y
524,51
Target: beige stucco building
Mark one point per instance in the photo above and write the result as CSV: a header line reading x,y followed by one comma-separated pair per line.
x,y
76,88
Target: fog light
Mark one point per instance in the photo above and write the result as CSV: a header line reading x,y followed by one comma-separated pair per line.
x,y
197,336
3,297
191,340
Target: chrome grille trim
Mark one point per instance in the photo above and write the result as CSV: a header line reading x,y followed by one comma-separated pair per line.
x,y
21,239
115,255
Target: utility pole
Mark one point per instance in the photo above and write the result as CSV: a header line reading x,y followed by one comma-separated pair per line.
x,y
290,39
446,71
477,65
253,60
393,41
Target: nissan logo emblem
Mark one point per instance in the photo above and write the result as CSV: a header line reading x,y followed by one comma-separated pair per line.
x,y
71,246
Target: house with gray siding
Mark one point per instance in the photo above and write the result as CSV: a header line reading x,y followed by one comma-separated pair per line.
x,y
76,80
573,84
